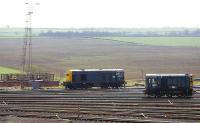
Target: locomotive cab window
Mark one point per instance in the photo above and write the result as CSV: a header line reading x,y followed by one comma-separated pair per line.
x,y
153,82
83,77
119,76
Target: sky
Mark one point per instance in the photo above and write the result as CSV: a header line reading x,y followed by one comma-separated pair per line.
x,y
101,13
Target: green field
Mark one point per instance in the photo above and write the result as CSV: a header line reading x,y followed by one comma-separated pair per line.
x,y
6,70
159,41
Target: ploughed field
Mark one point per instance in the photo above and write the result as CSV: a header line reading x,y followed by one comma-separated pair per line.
x,y
59,54
96,105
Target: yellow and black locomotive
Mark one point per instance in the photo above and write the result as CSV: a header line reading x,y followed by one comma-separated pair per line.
x,y
87,78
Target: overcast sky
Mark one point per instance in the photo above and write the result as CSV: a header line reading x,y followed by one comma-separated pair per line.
x,y
102,13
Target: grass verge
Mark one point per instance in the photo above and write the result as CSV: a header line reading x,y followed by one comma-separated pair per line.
x,y
6,70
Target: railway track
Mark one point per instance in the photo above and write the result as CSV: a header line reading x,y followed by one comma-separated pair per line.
x,y
95,105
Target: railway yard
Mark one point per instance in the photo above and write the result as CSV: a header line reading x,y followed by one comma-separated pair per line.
x,y
98,74
96,105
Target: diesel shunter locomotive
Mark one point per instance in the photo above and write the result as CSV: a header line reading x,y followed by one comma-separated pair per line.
x,y
87,78
169,85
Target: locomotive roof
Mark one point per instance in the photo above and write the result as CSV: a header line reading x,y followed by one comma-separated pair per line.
x,y
96,70
168,74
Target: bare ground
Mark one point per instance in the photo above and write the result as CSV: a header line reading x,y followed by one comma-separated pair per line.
x,y
59,54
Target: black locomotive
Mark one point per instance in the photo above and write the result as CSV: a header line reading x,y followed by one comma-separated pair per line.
x,y
169,85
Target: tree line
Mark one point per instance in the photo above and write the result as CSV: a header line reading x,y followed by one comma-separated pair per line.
x,y
180,33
